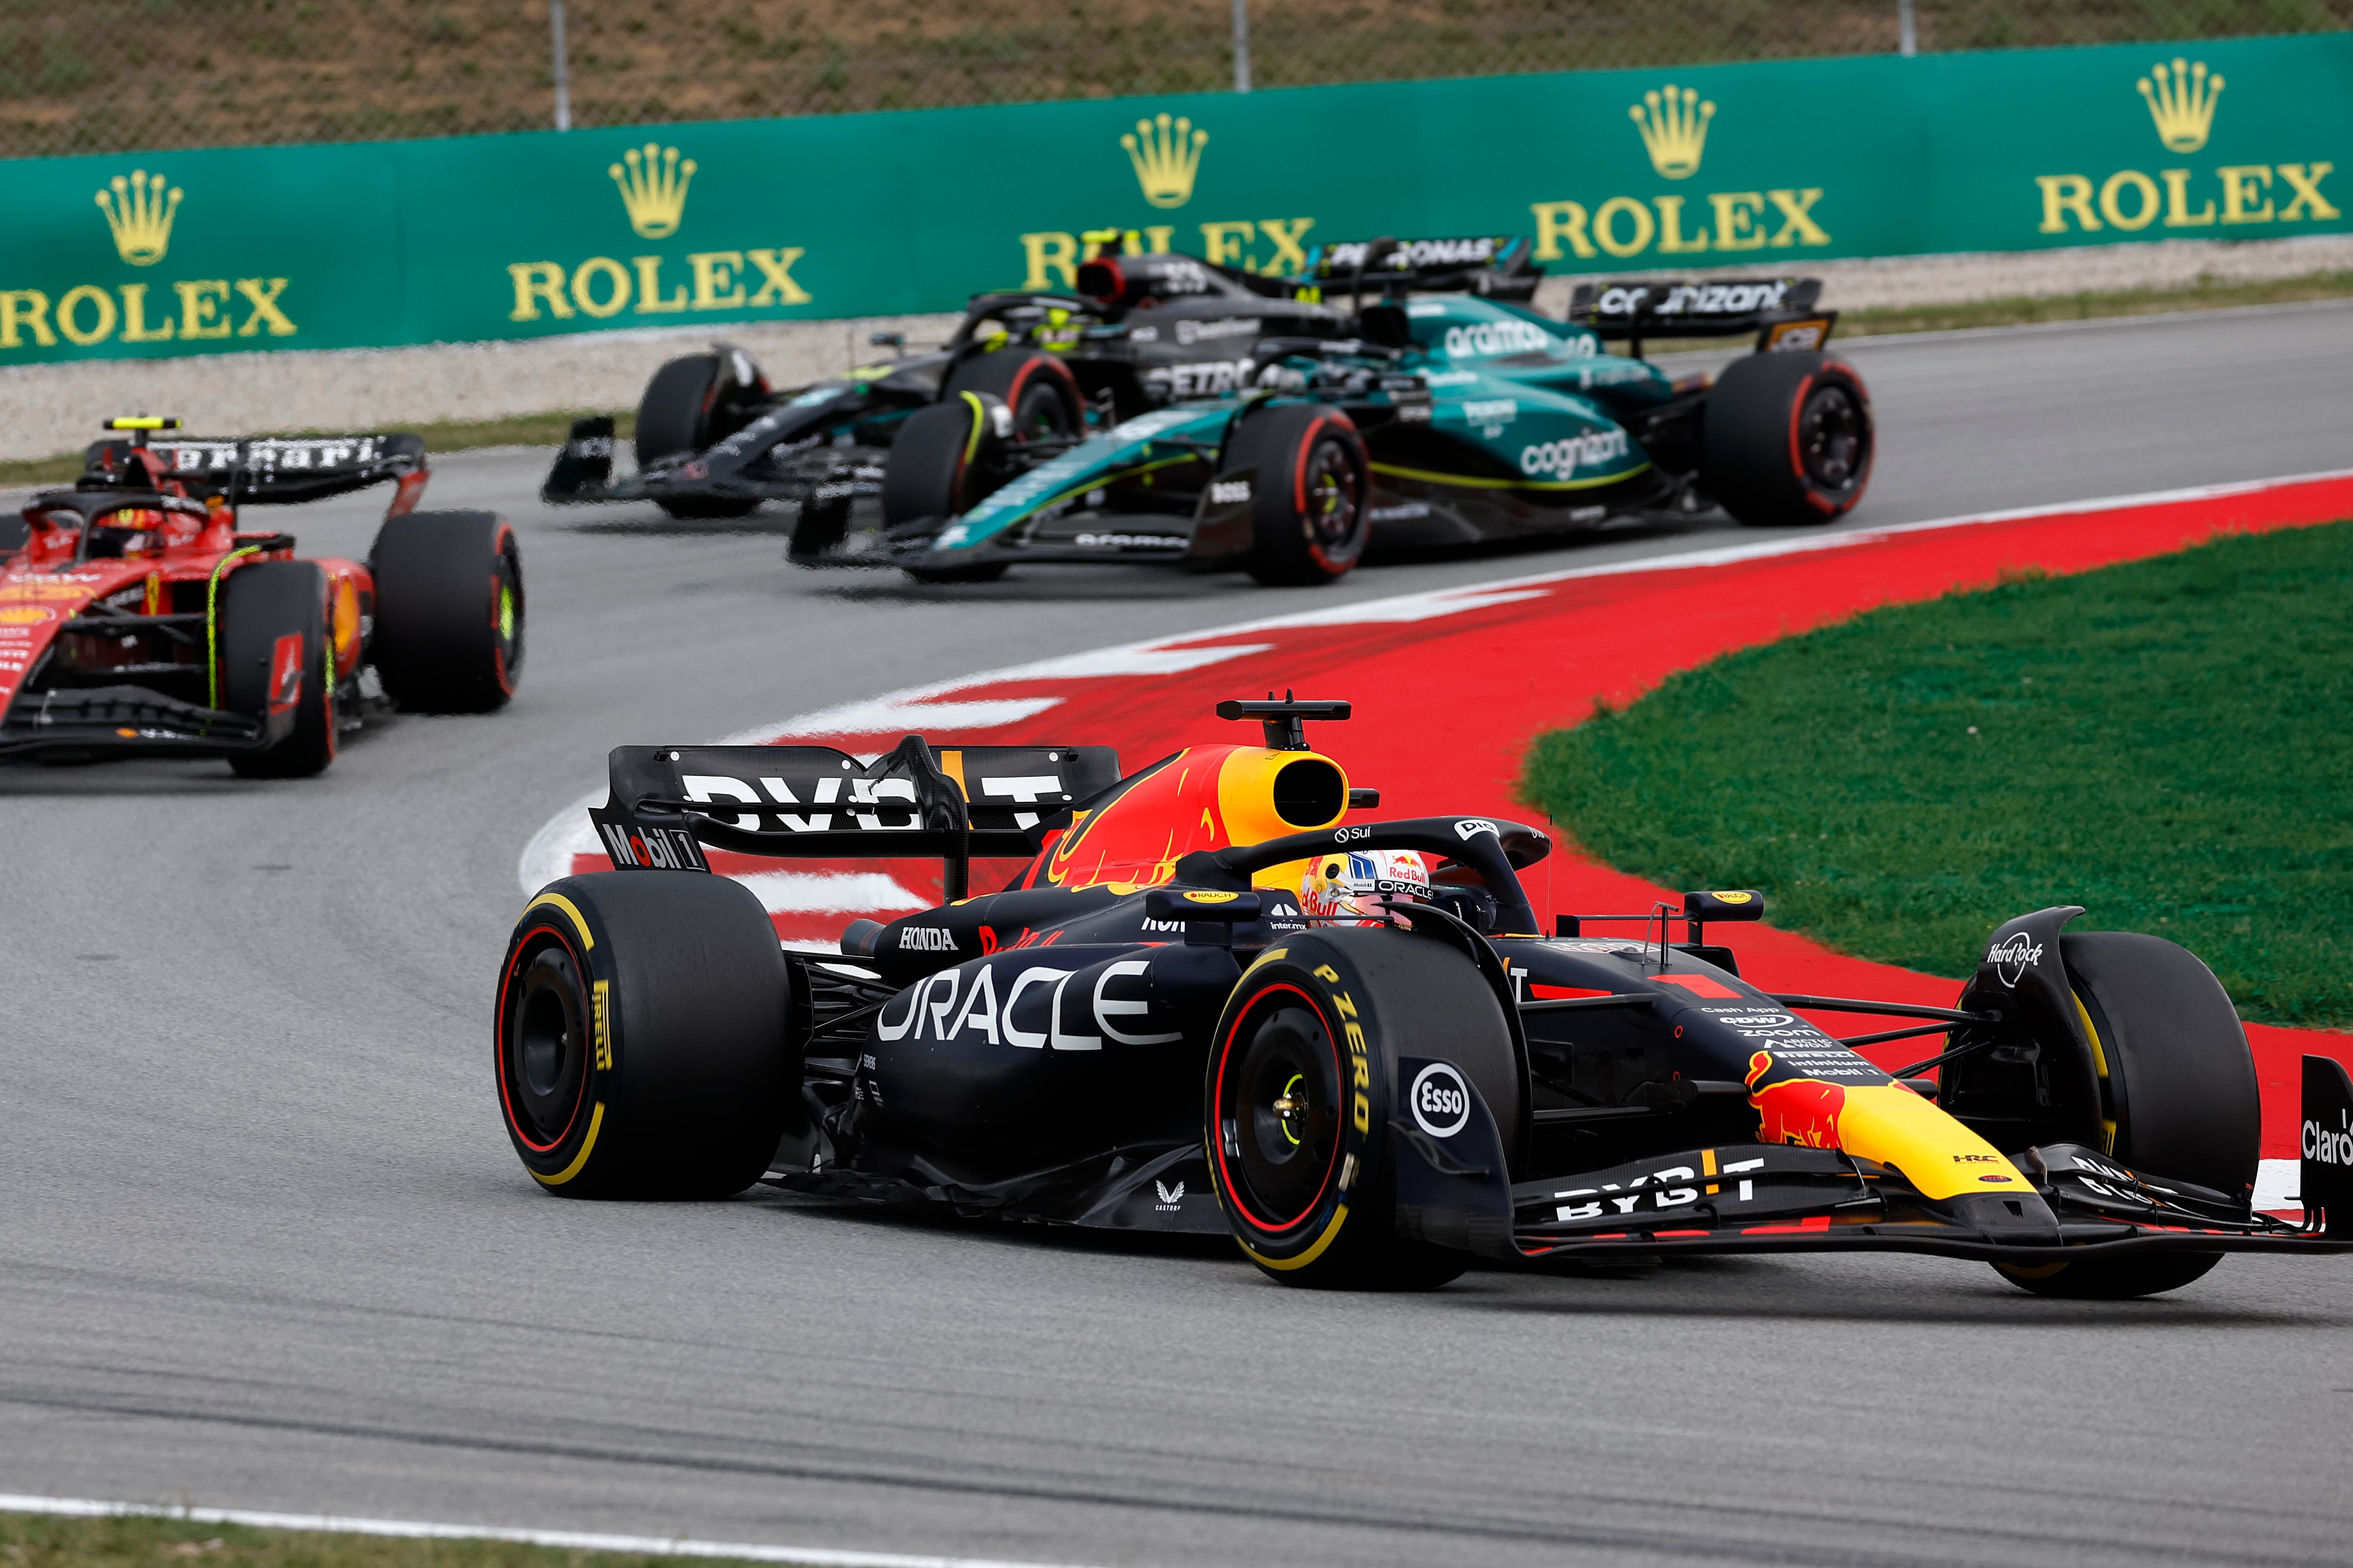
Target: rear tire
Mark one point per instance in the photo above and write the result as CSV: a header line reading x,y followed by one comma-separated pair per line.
x,y
2177,1089
259,604
1278,1167
448,611
1788,440
1309,488
682,411
643,1040
940,464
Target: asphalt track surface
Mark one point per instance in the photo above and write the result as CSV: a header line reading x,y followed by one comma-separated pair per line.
x,y
262,1243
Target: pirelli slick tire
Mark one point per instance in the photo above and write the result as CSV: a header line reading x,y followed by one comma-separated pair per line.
x,y
292,687
448,611
1310,480
681,412
2177,1094
1036,387
1301,1089
1787,439
643,1038
943,460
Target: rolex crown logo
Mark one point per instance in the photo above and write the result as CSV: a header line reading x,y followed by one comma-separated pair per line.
x,y
140,212
2182,101
1672,130
653,187
1167,155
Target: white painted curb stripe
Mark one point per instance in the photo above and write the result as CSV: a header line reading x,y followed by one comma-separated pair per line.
x,y
567,1540
549,854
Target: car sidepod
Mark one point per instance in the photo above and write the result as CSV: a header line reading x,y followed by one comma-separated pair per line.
x,y
1056,1082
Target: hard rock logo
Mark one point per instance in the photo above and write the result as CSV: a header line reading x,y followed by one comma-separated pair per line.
x,y
140,212
1167,155
1675,130
2182,102
653,189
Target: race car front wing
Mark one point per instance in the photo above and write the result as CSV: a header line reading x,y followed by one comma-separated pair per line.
x,y
125,719
2075,1203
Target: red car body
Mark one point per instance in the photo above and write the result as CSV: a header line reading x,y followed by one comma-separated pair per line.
x,y
113,609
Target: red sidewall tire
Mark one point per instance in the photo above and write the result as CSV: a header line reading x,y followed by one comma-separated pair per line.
x,y
1288,448
1789,439
259,604
1015,374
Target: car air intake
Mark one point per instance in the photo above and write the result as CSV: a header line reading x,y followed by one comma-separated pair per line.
x,y
1309,792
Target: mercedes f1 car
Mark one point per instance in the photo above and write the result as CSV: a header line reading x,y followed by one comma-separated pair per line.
x,y
136,615
714,439
1443,418
1162,1024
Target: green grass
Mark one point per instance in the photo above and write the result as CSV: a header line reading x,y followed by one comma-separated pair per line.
x,y
34,1541
2168,743
445,436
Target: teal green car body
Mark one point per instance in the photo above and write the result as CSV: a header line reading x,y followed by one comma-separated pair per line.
x,y
1483,419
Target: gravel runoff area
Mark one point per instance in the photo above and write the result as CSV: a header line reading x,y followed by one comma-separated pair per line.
x,y
52,408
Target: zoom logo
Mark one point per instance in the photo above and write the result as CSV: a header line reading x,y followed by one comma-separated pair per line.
x,y
1440,1102
1563,457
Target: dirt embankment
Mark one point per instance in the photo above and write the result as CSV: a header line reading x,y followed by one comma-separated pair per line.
x,y
121,75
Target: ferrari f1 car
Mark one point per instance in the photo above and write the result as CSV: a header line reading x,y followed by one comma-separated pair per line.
x,y
714,439
136,615
1444,418
1157,1026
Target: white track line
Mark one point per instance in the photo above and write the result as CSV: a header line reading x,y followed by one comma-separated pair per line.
x,y
565,1540
549,853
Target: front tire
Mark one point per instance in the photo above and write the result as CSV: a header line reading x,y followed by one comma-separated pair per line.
x,y
685,409
448,611
261,606
643,1038
1038,389
1789,439
2177,1094
942,461
1310,517
1302,1084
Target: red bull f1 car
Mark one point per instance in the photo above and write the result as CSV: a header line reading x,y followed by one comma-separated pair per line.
x,y
1215,1000
138,614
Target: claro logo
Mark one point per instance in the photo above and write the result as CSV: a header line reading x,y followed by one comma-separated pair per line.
x,y
2323,1147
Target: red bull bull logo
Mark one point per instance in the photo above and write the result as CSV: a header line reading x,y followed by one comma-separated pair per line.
x,y
1803,1110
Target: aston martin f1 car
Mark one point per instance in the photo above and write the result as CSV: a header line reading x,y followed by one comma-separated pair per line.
x,y
1444,418
714,439
138,616
1158,1024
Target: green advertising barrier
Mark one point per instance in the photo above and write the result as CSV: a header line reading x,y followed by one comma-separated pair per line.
x,y
1780,164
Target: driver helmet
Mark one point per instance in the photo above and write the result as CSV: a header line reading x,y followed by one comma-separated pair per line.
x,y
1356,886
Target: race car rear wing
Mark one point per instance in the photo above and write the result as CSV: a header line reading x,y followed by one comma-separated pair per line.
x,y
663,802
1499,266
269,469
1780,310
